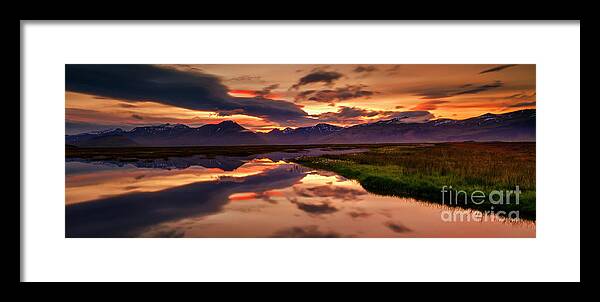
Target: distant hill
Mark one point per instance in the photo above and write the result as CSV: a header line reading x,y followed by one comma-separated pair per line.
x,y
301,135
512,126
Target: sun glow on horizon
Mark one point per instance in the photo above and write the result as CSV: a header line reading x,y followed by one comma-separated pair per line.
x,y
353,94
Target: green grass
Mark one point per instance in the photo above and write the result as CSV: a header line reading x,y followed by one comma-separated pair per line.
x,y
421,170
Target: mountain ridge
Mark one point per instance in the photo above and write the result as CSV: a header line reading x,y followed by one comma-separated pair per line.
x,y
512,126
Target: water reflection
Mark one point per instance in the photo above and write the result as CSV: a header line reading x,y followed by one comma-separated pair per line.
x,y
262,197
225,163
88,184
128,214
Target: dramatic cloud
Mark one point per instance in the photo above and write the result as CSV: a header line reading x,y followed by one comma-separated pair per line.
x,y
338,94
262,97
230,112
267,90
480,88
498,68
439,93
430,105
318,76
356,115
265,93
190,90
347,114
246,79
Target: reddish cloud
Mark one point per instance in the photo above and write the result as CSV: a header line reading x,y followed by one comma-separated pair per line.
x,y
240,92
430,105
263,93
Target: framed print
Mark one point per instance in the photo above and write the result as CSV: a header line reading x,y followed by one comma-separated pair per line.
x,y
300,151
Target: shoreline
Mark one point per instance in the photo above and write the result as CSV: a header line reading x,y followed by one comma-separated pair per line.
x,y
422,173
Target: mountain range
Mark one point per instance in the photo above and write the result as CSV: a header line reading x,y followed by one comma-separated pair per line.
x,y
512,126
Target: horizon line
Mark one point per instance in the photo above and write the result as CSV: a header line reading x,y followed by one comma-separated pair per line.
x,y
288,127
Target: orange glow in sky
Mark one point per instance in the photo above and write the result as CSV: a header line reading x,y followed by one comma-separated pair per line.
x,y
261,97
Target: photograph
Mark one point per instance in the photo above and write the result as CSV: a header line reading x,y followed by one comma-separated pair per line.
x,y
300,150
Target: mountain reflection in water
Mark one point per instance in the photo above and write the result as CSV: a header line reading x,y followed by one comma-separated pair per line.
x,y
261,197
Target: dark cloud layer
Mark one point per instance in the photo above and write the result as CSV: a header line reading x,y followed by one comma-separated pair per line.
x,y
347,114
439,93
246,78
318,76
481,88
356,115
196,91
338,94
498,68
263,92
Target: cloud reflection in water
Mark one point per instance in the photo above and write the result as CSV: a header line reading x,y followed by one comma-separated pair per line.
x,y
260,198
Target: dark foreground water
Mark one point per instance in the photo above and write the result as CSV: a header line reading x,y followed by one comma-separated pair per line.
x,y
257,196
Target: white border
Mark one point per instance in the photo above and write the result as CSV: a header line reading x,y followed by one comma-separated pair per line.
x,y
553,256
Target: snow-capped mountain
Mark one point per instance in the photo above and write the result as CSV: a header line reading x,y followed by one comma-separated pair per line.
x,y
224,133
512,126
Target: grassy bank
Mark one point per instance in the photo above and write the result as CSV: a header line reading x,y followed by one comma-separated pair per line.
x,y
420,171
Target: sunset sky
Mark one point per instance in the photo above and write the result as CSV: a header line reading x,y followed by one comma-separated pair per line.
x,y
264,97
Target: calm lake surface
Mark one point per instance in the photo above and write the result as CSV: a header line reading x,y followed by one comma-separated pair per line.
x,y
257,196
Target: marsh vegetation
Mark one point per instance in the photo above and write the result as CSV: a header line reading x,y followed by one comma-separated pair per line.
x,y
421,171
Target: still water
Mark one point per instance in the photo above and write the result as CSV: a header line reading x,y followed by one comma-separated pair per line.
x,y
258,196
